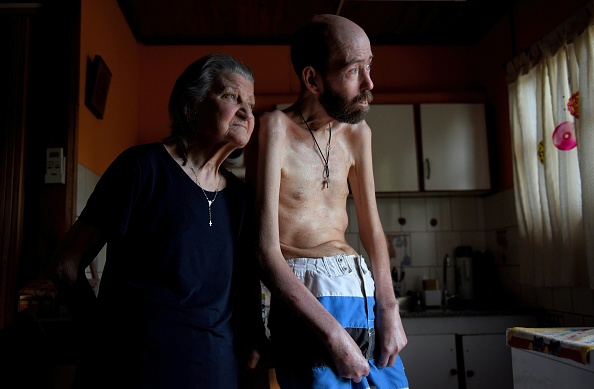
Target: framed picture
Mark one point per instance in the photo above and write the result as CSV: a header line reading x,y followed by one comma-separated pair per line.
x,y
97,86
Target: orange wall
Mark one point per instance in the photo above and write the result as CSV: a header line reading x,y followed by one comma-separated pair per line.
x,y
104,32
398,73
136,109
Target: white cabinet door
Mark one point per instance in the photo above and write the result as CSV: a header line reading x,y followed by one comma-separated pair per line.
x,y
455,153
487,362
430,361
394,147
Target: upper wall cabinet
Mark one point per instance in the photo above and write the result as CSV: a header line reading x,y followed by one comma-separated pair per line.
x,y
394,147
454,147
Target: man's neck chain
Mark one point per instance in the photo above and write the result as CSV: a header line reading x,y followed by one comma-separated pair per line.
x,y
325,159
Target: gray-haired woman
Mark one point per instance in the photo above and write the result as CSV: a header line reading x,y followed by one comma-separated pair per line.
x,y
179,294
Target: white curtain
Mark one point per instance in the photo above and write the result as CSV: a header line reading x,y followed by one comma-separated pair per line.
x,y
584,46
554,188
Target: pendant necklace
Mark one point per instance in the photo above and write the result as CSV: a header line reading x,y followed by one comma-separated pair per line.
x,y
327,158
210,202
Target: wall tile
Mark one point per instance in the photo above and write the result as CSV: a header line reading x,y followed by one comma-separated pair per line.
x,y
588,321
423,249
353,240
512,251
573,320
500,210
466,214
414,211
509,277
86,182
81,194
446,243
398,247
474,239
439,208
414,277
583,300
545,298
389,212
562,299
528,295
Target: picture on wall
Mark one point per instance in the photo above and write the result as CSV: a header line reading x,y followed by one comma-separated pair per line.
x,y
97,86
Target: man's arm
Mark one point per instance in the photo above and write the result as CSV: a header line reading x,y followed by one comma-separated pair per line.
x,y
348,359
389,330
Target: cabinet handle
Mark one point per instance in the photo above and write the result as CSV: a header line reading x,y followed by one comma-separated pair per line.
x,y
428,168
453,372
470,373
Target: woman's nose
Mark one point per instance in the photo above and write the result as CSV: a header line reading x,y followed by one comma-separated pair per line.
x,y
246,111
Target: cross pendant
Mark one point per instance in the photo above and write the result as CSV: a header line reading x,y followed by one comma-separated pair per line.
x,y
209,203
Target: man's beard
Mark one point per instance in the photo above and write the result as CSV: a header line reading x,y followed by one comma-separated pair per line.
x,y
342,110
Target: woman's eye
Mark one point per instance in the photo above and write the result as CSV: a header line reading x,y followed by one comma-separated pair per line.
x,y
229,96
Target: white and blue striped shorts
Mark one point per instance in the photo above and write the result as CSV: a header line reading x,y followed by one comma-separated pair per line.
x,y
344,286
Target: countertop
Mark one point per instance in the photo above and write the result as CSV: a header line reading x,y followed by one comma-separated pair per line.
x,y
466,308
455,312
566,342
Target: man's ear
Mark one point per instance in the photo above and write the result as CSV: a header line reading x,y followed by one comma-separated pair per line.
x,y
310,79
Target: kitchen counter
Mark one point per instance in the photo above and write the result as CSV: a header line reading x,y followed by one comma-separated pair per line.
x,y
466,308
461,347
439,312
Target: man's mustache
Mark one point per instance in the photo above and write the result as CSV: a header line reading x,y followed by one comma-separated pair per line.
x,y
364,96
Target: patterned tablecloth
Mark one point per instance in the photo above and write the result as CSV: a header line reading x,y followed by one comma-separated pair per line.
x,y
571,343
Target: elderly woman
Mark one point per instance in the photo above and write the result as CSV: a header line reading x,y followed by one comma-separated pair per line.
x,y
179,272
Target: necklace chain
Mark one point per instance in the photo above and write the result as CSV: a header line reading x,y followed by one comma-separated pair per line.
x,y
327,158
210,202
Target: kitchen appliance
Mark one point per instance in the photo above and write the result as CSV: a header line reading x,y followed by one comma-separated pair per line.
x,y
463,258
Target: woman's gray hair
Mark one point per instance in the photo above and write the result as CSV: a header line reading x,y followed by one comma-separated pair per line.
x,y
190,90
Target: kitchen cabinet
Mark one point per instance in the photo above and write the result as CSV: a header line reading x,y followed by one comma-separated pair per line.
x,y
435,369
459,351
394,147
487,361
454,143
452,154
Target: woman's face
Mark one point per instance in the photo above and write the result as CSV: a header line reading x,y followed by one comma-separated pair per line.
x,y
226,113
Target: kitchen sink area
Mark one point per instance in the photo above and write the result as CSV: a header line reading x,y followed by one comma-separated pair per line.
x,y
461,346
409,308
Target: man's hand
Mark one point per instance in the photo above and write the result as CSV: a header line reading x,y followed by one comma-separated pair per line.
x,y
390,335
348,359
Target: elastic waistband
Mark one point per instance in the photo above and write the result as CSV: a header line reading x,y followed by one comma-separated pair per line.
x,y
335,265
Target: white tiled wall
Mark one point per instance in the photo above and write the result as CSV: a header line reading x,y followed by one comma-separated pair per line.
x,y
457,221
86,181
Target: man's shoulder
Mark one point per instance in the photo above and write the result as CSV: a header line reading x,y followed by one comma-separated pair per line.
x,y
275,116
356,130
276,122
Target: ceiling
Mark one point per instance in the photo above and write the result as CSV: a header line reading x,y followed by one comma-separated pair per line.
x,y
237,22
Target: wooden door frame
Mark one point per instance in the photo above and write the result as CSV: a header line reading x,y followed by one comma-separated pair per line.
x,y
36,215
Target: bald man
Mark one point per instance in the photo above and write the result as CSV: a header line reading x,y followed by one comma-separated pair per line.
x,y
333,322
